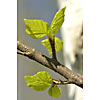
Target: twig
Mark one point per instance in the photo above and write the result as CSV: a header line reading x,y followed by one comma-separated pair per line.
x,y
31,53
52,42
59,82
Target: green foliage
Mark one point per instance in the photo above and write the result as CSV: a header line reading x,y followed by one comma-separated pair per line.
x,y
54,91
39,28
58,45
40,81
36,28
58,21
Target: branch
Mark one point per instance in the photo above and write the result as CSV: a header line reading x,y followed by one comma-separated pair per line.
x,y
50,63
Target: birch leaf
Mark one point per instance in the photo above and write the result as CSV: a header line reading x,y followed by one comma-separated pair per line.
x,y
40,81
36,28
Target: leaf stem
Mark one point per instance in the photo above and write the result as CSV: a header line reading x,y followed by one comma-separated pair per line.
x,y
52,42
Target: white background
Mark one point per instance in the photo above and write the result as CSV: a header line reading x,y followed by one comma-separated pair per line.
x,y
8,49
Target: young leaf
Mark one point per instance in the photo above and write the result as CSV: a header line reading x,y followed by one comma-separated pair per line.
x,y
54,91
36,28
57,21
46,43
58,45
39,81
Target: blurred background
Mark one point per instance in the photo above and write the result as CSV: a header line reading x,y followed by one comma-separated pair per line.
x,y
72,54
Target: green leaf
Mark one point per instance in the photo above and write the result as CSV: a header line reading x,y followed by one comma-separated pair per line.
x,y
36,28
58,45
54,91
46,43
57,21
40,81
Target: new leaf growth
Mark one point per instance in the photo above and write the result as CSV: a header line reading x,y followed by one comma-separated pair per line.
x,y
39,28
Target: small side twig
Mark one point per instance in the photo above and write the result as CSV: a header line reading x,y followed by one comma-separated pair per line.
x,y
59,82
23,53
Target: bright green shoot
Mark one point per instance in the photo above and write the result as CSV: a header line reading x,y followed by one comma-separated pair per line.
x,y
39,28
41,81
